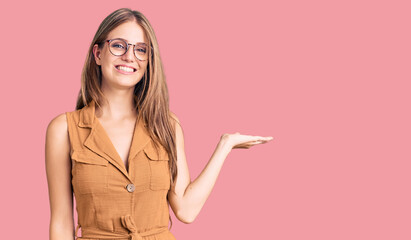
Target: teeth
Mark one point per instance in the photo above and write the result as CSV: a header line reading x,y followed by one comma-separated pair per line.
x,y
126,69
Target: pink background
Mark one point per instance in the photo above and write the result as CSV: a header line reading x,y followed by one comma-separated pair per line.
x,y
329,80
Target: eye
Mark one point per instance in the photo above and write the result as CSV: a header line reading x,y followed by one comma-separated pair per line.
x,y
117,45
141,50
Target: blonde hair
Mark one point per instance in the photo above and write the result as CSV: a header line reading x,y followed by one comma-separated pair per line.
x,y
150,93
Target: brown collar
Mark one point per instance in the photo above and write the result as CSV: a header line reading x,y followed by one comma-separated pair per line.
x,y
99,142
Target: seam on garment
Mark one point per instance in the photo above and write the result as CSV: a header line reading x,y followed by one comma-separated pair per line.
x,y
69,130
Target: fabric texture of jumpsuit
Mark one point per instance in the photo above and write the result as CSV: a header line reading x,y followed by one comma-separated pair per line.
x,y
111,202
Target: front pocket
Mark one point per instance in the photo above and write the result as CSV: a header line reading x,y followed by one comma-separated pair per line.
x,y
159,167
90,173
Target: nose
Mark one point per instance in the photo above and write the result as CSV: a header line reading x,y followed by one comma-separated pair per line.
x,y
129,55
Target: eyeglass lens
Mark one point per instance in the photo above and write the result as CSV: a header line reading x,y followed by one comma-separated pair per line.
x,y
118,47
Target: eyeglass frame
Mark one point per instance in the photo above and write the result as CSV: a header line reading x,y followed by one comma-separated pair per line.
x,y
128,45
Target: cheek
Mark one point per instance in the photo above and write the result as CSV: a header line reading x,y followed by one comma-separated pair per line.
x,y
106,70
144,68
107,66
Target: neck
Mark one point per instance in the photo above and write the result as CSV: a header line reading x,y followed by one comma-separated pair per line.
x,y
120,104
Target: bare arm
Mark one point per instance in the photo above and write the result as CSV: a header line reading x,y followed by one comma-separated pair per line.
x,y
58,169
188,197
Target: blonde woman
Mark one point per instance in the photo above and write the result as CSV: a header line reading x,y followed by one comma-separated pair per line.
x,y
121,152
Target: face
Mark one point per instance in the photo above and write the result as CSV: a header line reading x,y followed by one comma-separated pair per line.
x,y
112,74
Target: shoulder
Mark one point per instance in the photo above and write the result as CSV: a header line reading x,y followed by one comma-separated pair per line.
x,y
58,122
57,128
174,117
57,140
177,125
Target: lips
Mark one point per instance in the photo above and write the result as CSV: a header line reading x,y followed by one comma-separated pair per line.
x,y
125,67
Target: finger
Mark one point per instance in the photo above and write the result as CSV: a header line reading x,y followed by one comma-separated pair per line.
x,y
260,142
265,139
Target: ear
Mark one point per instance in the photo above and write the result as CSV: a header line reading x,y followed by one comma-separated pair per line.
x,y
96,53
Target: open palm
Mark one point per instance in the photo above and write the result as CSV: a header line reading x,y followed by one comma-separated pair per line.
x,y
238,140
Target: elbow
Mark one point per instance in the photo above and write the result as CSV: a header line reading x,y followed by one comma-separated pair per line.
x,y
187,217
186,210
186,220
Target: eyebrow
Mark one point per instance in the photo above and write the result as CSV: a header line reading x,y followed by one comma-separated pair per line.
x,y
140,43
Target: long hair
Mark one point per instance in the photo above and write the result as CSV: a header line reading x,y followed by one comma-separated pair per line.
x,y
150,93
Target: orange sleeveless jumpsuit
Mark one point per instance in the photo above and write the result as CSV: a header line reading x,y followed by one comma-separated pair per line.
x,y
111,202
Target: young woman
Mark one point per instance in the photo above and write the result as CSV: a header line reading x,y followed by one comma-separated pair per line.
x,y
121,152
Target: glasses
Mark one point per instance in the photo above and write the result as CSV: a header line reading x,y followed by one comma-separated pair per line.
x,y
119,47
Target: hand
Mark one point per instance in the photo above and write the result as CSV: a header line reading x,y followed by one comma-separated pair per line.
x,y
237,140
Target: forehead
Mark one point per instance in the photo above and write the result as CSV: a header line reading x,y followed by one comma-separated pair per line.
x,y
129,31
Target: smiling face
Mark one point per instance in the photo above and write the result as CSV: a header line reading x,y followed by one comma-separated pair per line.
x,y
116,70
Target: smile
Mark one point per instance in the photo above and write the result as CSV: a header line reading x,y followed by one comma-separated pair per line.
x,y
125,69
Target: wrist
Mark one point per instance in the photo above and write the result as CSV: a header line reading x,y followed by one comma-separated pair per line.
x,y
225,143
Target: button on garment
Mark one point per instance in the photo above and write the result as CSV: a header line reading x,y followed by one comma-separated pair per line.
x,y
111,202
130,187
